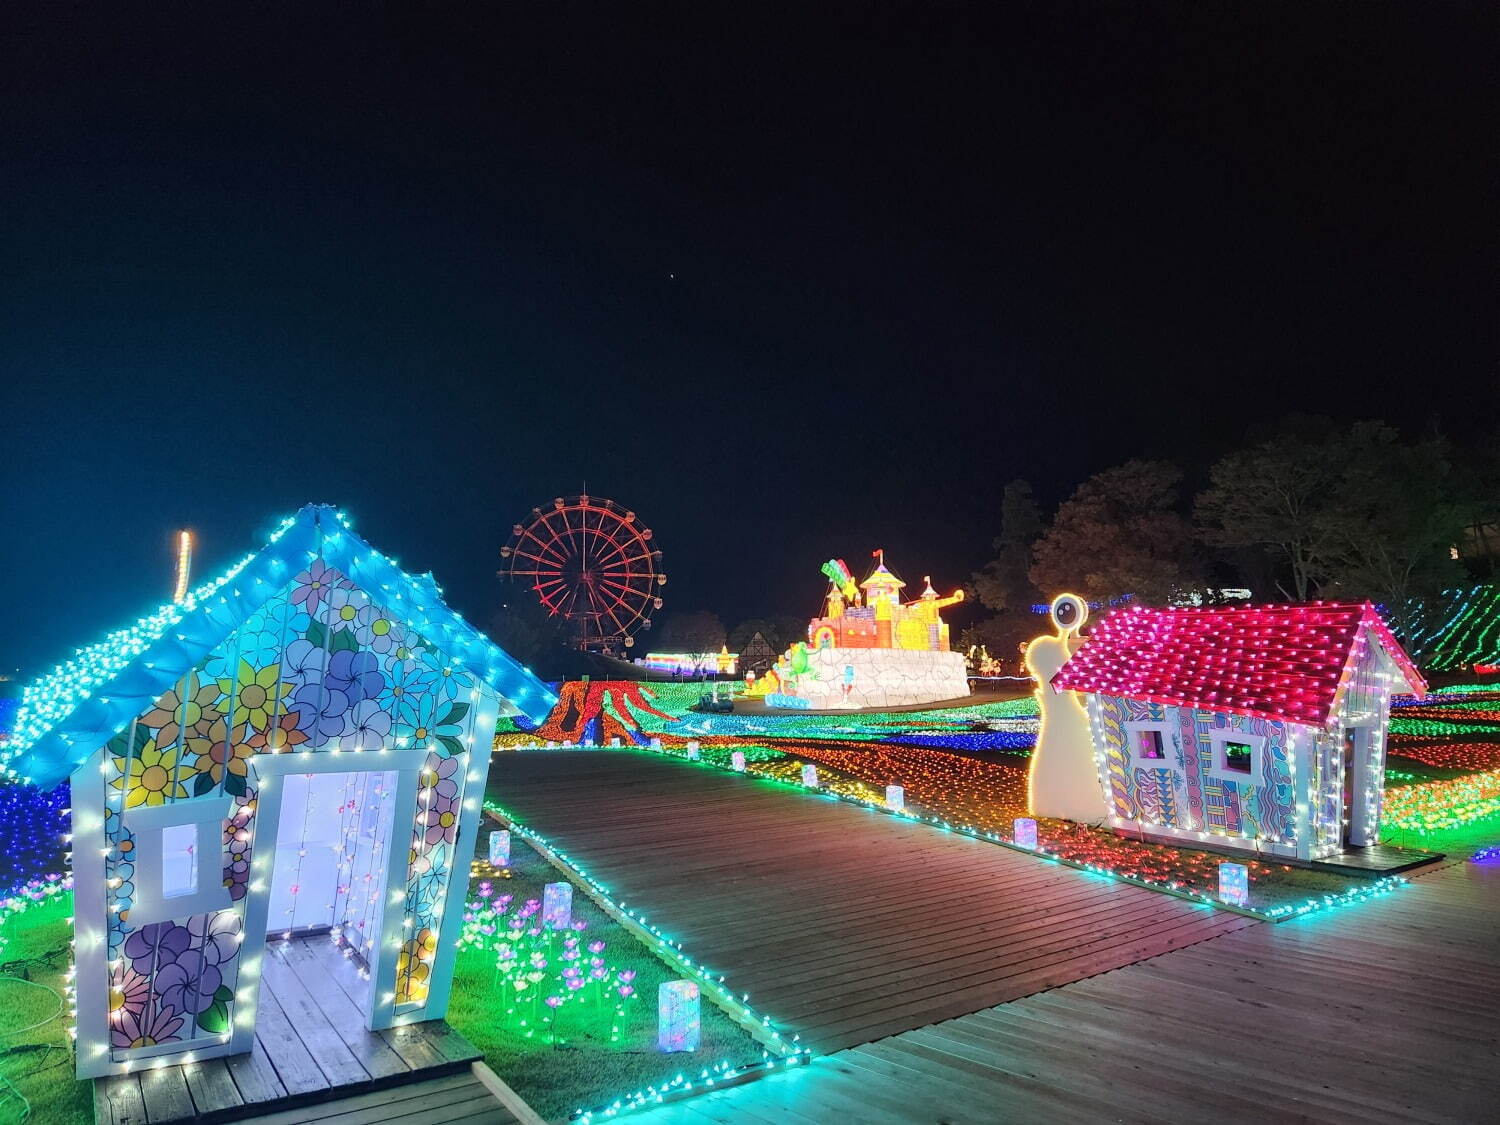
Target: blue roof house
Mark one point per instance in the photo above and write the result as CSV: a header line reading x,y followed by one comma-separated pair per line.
x,y
297,750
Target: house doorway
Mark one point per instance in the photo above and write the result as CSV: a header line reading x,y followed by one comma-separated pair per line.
x,y
1357,827
324,913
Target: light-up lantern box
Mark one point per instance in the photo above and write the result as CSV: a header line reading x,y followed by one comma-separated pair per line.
x,y
677,1014
737,761
1234,884
692,751
557,905
809,775
499,848
895,797
1025,832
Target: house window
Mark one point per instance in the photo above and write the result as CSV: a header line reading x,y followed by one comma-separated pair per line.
x,y
1149,744
179,860
178,857
1239,757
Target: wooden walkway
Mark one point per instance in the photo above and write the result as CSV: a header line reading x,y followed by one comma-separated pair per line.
x,y
1379,1012
311,1045
457,1099
843,924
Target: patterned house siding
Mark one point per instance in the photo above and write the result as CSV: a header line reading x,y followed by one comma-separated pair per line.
x,y
1365,701
321,666
1183,794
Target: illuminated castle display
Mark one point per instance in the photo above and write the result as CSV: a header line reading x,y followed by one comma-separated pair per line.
x,y
869,650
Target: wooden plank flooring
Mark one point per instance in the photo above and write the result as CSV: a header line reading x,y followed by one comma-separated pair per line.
x,y
843,924
311,1046
454,1099
1383,1011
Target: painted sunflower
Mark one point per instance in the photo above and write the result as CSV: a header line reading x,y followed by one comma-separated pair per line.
x,y
190,704
257,693
153,776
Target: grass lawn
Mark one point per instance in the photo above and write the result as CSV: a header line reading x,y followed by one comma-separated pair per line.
x,y
598,1054
37,1064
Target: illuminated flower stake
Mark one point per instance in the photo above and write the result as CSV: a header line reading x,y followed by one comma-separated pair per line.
x,y
895,797
1234,884
809,775
557,905
678,1017
1025,832
499,849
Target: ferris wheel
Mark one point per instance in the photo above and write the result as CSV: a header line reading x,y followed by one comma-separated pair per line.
x,y
591,561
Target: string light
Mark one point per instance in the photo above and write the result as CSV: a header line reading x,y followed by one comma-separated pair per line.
x,y
780,1051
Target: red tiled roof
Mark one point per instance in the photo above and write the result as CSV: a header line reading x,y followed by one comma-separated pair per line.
x,y
1282,662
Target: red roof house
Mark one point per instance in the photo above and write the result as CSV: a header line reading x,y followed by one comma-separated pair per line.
x,y
1261,724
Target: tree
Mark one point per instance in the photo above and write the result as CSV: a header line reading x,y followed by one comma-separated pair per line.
x,y
1400,512
1004,585
692,632
1350,511
1005,581
525,630
1279,496
1119,533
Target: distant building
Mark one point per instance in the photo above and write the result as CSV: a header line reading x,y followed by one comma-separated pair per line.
x,y
757,656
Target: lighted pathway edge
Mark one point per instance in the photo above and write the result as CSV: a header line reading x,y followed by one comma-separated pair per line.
x,y
788,1052
1366,890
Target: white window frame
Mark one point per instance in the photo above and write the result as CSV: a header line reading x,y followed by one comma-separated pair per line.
x,y
1169,747
151,904
1257,744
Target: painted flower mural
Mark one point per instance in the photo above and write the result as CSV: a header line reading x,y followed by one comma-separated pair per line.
x,y
219,759
341,611
323,666
369,727
314,585
356,674
285,734
147,1028
257,693
152,776
191,704
376,630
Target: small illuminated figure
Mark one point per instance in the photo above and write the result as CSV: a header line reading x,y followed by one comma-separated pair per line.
x,y
848,680
1064,775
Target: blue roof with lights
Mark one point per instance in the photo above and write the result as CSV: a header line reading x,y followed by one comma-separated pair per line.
x,y
82,703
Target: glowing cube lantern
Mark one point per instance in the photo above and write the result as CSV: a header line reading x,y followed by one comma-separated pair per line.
x,y
737,761
809,775
692,751
677,1016
1025,832
557,905
615,742
1234,884
499,848
895,797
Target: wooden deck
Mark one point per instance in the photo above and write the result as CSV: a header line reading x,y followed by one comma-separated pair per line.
x,y
1383,1011
455,1099
311,1045
843,924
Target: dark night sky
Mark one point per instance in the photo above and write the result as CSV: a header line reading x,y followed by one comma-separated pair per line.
x,y
787,288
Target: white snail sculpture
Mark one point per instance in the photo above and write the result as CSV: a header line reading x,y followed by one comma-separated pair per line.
x,y
1064,775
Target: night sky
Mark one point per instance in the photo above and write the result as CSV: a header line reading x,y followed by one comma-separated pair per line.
x,y
788,289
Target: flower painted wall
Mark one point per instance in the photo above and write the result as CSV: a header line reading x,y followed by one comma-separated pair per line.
x,y
321,666
1185,793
